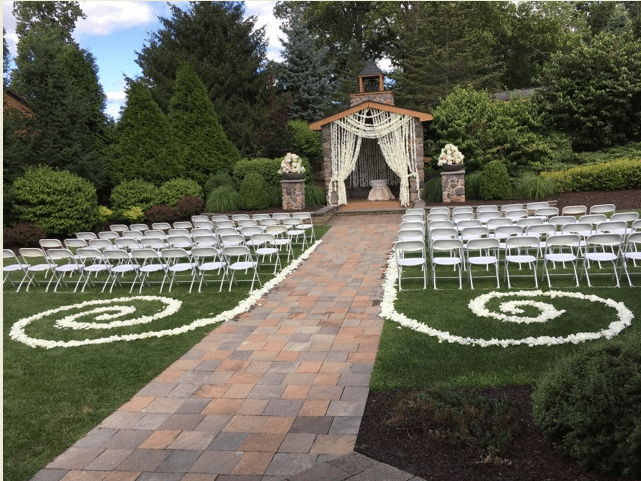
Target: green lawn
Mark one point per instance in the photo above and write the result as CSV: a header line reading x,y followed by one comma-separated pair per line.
x,y
52,397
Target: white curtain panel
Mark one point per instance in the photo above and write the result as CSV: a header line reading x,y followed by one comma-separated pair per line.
x,y
396,138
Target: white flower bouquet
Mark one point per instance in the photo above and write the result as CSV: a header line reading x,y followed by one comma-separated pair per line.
x,y
291,164
450,154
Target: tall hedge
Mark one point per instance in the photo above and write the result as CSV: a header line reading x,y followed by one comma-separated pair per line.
x,y
145,146
60,202
204,146
268,168
617,175
133,193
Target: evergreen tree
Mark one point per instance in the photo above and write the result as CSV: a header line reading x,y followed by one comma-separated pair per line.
x,y
60,84
62,16
305,73
205,149
226,51
275,138
144,147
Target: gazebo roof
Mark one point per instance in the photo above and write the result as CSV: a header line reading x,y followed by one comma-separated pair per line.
x,y
370,70
422,116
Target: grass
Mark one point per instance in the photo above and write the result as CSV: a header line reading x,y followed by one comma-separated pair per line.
x,y
53,397
409,359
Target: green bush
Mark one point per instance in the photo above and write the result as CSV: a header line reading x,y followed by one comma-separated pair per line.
x,y
60,202
160,213
104,214
308,142
494,183
222,199
433,191
254,193
133,193
588,407
617,175
217,180
473,185
315,195
532,186
268,168
134,215
173,190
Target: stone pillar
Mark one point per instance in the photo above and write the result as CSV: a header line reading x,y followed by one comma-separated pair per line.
x,y
453,186
293,194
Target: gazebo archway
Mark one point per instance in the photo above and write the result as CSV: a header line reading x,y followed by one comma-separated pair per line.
x,y
371,140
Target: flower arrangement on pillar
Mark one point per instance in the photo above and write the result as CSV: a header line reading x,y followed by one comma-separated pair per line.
x,y
291,167
451,158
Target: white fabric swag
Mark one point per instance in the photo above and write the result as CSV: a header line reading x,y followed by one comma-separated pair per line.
x,y
396,138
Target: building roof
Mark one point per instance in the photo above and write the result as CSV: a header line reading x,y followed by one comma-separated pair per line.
x,y
370,70
422,116
13,100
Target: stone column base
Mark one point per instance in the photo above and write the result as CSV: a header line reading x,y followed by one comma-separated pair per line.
x,y
453,186
293,194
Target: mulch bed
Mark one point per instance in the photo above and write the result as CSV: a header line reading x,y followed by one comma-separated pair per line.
x,y
529,457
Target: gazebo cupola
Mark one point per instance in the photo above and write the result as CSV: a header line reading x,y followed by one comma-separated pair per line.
x,y
371,87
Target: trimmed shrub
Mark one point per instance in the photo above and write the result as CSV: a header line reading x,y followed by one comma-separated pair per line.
x,y
222,199
60,202
268,168
494,183
217,180
104,214
532,186
433,190
134,215
188,206
173,190
588,407
473,185
315,195
254,193
617,175
24,234
133,193
160,213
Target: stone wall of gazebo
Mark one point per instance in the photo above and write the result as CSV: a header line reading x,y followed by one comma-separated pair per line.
x,y
326,138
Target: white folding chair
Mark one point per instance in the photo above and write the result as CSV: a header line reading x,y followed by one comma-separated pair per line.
x,y
46,244
206,259
40,263
155,243
410,234
485,216
546,212
249,231
632,253
592,219
437,216
542,231
180,241
139,227
64,263
532,207
206,240
487,208
120,228
149,262
515,214
475,232
127,243
528,221
261,216
411,254
264,246
447,252
439,224
120,262
558,221
12,264
462,208
413,218
510,207
161,226
459,216
624,216
183,224
562,248
603,209
482,252
416,211
412,226
204,224
108,234
602,248
280,216
439,210
504,232
464,224
281,240
93,263
199,218
492,224
574,210
178,261
132,234
237,217
227,240
308,224
295,232
86,235
522,250
239,258
101,244
267,222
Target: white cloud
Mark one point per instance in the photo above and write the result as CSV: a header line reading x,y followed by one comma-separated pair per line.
x,y
264,13
118,97
104,18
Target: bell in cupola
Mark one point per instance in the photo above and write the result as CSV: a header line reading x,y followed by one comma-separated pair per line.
x,y
371,87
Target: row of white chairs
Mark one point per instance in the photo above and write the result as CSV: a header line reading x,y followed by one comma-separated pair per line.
x,y
574,210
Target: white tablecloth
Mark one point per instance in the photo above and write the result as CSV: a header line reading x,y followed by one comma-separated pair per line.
x,y
380,190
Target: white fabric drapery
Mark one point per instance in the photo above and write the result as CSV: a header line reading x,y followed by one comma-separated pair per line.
x,y
396,138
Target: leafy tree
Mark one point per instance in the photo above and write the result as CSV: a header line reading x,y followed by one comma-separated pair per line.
x,y
445,48
62,16
227,52
205,149
593,93
275,138
60,83
145,147
304,73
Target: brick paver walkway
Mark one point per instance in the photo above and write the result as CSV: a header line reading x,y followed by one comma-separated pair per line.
x,y
276,394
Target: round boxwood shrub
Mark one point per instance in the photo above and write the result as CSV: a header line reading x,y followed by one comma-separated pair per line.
x,y
254,193
217,180
60,202
133,193
173,190
222,199
588,407
494,183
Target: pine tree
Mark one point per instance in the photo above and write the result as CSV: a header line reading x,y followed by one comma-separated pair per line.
x,y
144,146
205,149
305,73
227,52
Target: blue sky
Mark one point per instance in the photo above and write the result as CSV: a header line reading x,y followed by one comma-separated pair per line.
x,y
114,31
